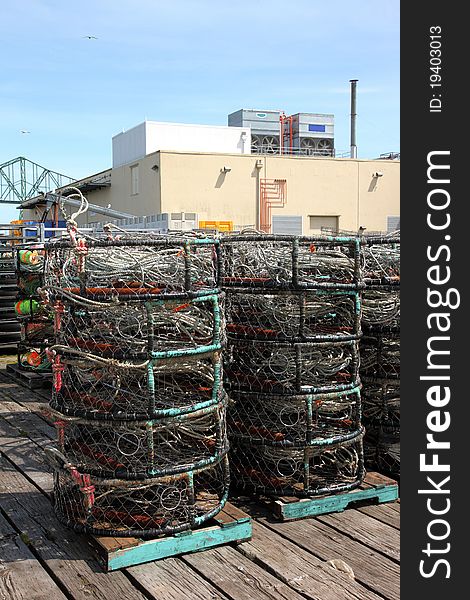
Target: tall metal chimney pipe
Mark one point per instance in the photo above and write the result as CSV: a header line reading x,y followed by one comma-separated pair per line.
x,y
353,118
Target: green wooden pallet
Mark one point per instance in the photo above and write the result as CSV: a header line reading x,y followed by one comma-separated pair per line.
x,y
375,487
230,525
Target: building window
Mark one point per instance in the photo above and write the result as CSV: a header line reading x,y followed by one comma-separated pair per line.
x,y
134,180
324,223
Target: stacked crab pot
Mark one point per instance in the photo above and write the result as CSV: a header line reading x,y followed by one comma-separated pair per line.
x,y
291,365
137,399
31,311
380,353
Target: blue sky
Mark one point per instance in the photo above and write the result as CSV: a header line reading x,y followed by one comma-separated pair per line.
x,y
189,61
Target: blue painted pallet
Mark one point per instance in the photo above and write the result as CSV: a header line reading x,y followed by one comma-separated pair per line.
x,y
375,487
230,525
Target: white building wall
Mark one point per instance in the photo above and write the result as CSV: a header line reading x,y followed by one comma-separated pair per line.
x,y
129,145
153,136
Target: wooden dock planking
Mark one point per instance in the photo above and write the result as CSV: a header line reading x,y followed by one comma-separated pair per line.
x,y
301,570
21,575
375,571
32,400
384,512
366,529
27,456
26,421
171,579
238,577
220,573
64,552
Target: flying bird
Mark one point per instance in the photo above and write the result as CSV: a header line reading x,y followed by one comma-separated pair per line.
x,y
90,37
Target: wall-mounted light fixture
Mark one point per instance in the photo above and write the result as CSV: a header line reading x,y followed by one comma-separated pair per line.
x,y
225,170
155,168
377,174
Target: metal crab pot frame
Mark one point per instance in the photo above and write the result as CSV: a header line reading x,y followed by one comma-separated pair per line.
x,y
293,420
138,329
131,268
142,508
101,389
324,467
293,315
153,448
291,262
381,261
381,416
292,368
380,355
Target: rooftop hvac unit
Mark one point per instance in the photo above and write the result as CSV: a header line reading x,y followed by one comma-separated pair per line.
x,y
312,125
316,147
265,144
261,122
264,125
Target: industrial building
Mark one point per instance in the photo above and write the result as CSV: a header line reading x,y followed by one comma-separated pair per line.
x,y
178,176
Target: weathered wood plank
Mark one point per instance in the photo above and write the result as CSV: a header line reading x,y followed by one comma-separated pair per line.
x,y
238,577
171,579
21,576
66,553
370,568
369,531
29,399
25,454
173,545
383,513
377,479
300,569
25,420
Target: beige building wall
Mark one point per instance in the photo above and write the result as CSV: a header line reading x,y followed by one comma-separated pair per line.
x,y
316,187
195,183
121,195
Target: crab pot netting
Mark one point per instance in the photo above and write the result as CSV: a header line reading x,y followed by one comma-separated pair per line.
x,y
302,419
133,267
140,508
381,406
381,260
273,469
104,389
137,389
134,329
136,449
291,262
381,309
293,312
291,368
293,315
380,354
